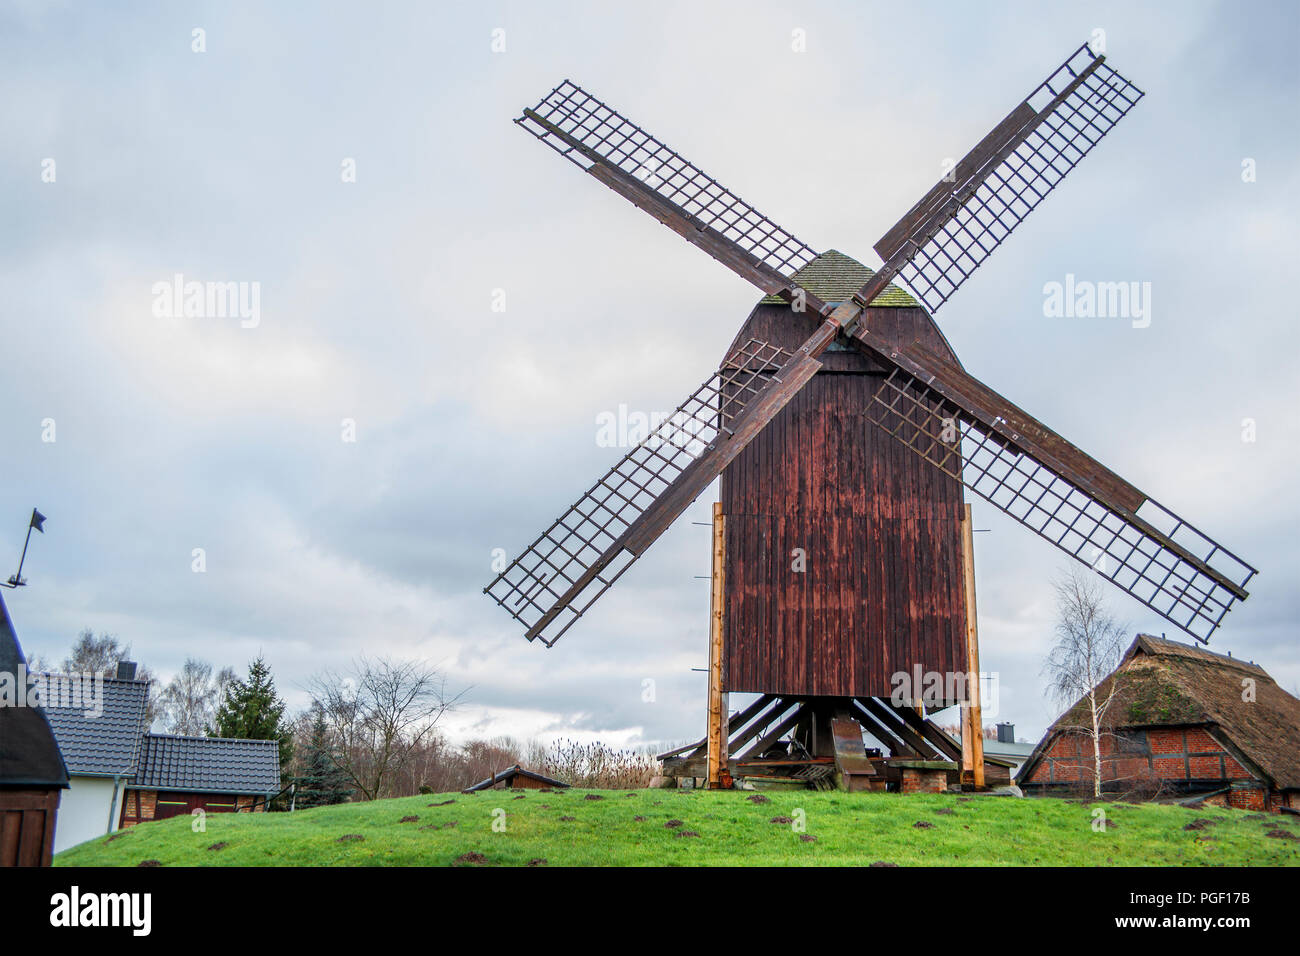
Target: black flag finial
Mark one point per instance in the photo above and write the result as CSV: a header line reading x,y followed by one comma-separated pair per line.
x,y
37,522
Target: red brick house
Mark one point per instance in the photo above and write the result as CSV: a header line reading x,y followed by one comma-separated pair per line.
x,y
1183,722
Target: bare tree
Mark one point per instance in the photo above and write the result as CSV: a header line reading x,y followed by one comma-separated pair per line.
x,y
1089,641
101,654
382,714
188,704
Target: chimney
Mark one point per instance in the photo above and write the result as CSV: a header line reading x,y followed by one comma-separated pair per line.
x,y
1006,733
126,670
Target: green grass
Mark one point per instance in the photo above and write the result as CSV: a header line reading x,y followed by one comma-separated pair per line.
x,y
849,829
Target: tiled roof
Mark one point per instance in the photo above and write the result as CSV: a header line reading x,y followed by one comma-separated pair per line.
x,y
107,743
209,764
834,277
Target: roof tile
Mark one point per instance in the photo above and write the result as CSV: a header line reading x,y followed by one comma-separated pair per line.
x,y
105,743
209,764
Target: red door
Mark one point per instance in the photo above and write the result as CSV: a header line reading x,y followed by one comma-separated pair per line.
x,y
175,804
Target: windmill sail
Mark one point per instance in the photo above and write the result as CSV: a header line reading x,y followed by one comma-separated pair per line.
x,y
578,558
956,226
1047,484
665,184
941,413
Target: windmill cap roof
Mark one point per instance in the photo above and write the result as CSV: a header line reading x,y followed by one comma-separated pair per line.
x,y
834,277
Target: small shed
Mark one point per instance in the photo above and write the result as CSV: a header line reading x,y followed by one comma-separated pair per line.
x,y
517,778
1184,722
178,775
32,774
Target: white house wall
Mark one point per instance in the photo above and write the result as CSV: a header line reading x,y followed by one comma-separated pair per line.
x,y
85,810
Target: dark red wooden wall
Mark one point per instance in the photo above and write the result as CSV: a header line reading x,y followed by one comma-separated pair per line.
x,y
27,821
880,527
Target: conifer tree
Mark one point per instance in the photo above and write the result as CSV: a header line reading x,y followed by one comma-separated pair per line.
x,y
322,782
252,710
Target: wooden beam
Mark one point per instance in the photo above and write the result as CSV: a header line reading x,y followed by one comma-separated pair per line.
x,y
945,198
1022,432
646,528
878,730
927,729
886,715
972,717
738,720
850,754
760,724
717,727
974,161
699,474
773,736
741,718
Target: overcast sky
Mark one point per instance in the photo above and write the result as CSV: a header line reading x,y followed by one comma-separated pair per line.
x,y
474,428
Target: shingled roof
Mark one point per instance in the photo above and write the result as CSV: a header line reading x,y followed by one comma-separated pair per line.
x,y
29,756
208,764
1165,683
108,743
509,774
834,277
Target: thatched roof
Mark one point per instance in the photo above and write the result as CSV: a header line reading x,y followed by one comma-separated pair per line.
x,y
1163,683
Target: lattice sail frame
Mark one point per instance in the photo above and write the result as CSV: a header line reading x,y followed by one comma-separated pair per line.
x,y
935,248
999,196
578,558
600,131
1095,534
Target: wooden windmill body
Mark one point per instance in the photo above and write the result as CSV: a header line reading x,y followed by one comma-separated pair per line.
x,y
846,434
843,549
843,566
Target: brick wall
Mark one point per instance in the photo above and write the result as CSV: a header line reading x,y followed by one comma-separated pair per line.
x,y
914,780
212,803
147,805
1178,758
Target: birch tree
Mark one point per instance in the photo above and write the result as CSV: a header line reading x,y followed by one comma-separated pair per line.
x,y
1089,642
189,703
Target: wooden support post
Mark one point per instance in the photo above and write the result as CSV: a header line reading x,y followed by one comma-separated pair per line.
x,y
972,718
717,730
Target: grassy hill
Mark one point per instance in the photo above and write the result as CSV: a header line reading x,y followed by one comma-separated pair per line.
x,y
671,827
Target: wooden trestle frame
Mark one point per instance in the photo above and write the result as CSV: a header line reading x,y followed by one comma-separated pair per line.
x,y
825,732
719,777
972,716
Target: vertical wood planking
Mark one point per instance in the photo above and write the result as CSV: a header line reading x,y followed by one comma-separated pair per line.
x,y
880,528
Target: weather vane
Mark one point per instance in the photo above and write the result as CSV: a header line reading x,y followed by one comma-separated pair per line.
x,y
37,522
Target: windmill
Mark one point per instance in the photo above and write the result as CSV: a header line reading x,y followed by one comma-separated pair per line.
x,y
844,427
